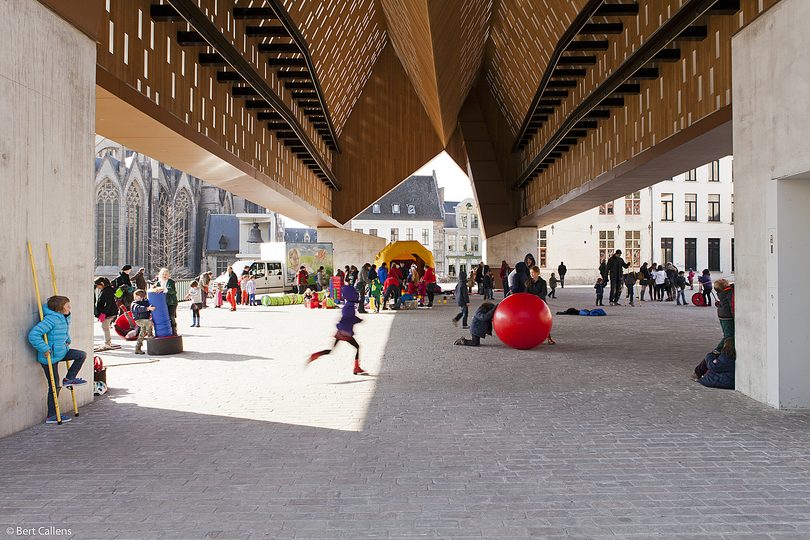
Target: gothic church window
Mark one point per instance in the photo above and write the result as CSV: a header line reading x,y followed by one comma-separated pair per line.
x,y
107,210
133,227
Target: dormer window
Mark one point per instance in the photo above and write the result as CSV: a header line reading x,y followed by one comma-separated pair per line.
x,y
411,209
375,209
395,208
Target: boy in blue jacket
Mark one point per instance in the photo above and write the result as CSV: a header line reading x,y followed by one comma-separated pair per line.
x,y
55,326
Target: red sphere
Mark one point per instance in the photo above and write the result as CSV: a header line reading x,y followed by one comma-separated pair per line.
x,y
522,321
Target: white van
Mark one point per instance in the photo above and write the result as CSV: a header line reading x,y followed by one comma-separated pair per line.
x,y
269,276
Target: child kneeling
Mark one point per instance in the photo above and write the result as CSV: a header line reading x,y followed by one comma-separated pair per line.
x,y
481,325
55,327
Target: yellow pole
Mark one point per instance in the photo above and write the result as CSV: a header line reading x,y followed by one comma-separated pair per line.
x,y
48,354
67,364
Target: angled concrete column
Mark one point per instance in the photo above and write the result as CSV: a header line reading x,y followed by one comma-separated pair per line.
x,y
47,84
511,246
772,197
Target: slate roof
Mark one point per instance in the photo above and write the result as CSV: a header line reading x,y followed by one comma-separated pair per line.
x,y
220,225
420,191
297,234
450,214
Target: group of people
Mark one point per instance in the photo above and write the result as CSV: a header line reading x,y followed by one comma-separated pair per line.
x,y
240,289
665,283
525,278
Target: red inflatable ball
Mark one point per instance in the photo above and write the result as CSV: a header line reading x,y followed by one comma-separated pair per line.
x,y
522,321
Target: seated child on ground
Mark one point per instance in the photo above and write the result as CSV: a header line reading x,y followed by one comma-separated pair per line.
x,y
400,303
481,325
717,370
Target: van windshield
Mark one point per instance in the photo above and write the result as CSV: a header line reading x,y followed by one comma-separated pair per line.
x,y
257,269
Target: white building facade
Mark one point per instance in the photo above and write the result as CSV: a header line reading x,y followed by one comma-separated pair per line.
x,y
687,220
463,237
410,211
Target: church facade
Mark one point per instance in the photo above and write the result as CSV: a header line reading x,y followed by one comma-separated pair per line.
x,y
153,216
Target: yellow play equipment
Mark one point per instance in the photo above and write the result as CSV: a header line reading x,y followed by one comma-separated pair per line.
x,y
408,252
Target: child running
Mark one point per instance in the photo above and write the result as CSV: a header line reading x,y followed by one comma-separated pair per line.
x,y
55,328
195,295
345,328
480,327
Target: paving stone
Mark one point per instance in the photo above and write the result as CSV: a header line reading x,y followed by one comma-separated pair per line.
x,y
601,436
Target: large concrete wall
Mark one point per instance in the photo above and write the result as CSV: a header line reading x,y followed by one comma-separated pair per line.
x,y
510,246
772,194
47,84
351,248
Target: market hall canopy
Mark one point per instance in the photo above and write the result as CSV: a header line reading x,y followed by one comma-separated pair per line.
x,y
405,250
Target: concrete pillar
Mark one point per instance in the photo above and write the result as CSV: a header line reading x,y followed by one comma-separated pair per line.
x,y
47,84
772,197
511,246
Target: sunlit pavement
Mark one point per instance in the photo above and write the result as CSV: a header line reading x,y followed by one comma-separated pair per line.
x,y
602,435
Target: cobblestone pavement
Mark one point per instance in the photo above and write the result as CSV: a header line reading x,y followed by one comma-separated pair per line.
x,y
601,436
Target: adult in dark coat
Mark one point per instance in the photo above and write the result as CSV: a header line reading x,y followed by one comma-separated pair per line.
x,y
140,279
603,271
479,277
232,287
561,270
615,268
521,276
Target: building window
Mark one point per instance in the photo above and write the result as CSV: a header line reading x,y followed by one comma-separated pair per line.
x,y
408,234
425,236
606,246
690,200
107,208
632,248
359,230
474,221
542,244
182,211
372,232
375,209
732,254
666,250
666,207
474,243
451,270
732,213
451,242
606,209
463,221
714,207
714,171
632,204
464,240
411,209
690,252
133,226
691,176
394,235
714,254
222,265
395,208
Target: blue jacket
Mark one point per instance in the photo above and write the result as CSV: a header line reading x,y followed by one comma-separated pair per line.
x,y
382,274
140,309
482,323
721,372
56,327
462,294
